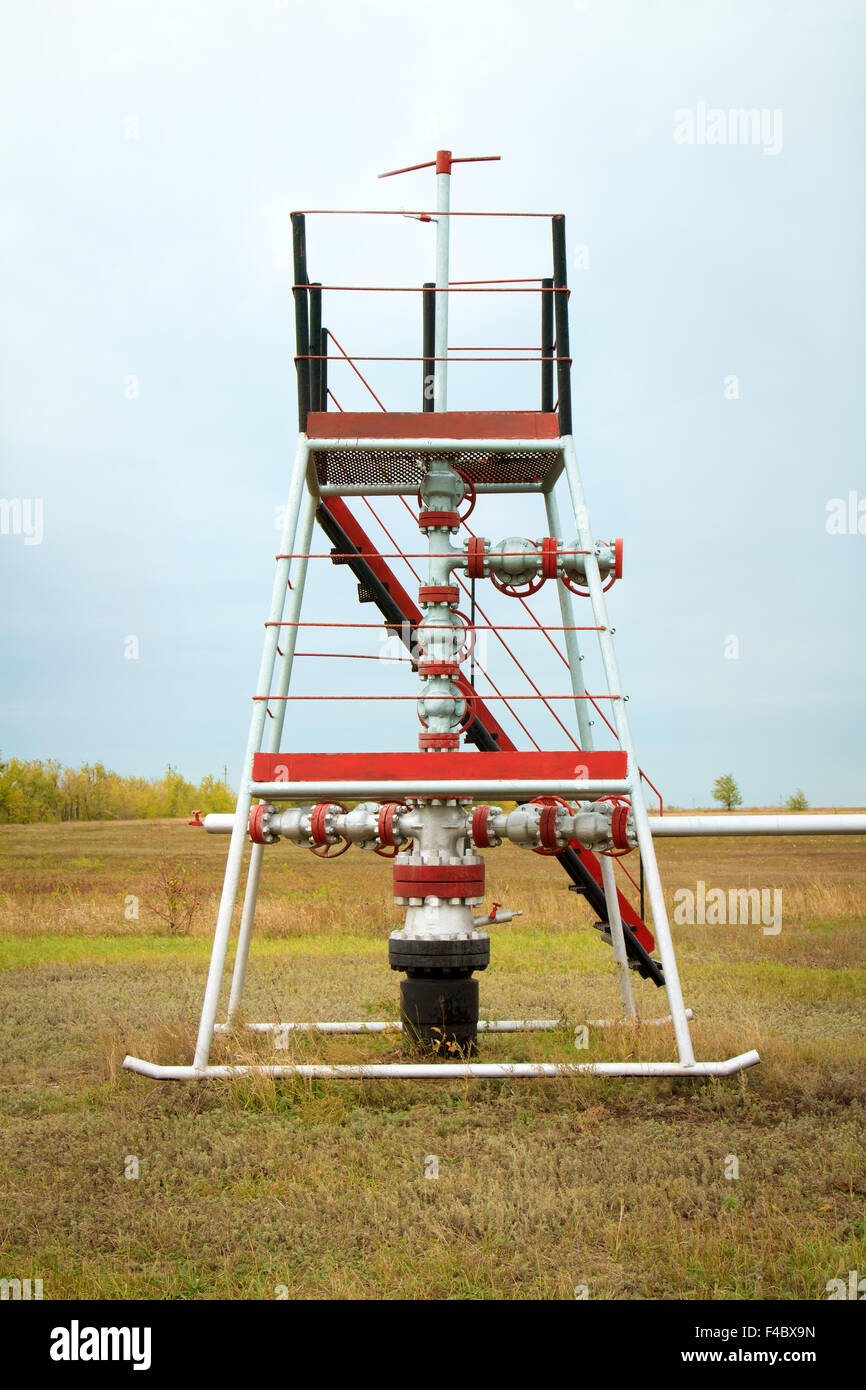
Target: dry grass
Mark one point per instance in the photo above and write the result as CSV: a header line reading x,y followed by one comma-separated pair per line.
x,y
320,1187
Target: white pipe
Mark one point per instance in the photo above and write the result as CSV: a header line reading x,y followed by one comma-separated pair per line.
x,y
440,338
617,936
219,823
485,1025
447,1071
384,490
272,745
428,444
758,825
242,810
506,789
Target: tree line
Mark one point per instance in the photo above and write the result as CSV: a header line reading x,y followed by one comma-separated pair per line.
x,y
44,790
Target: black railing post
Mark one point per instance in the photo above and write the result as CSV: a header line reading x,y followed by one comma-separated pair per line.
x,y
428,350
315,349
547,345
560,296
323,378
302,323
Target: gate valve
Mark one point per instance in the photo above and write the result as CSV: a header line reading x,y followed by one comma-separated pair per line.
x,y
515,567
609,567
196,820
324,835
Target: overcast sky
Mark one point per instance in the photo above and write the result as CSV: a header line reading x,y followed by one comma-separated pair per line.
x,y
151,153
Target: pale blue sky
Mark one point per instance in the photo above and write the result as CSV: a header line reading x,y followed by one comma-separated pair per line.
x,y
151,153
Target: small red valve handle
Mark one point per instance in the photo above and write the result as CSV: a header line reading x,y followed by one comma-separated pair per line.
x,y
196,820
493,911
512,591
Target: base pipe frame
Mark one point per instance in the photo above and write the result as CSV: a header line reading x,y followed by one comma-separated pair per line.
x,y
445,1071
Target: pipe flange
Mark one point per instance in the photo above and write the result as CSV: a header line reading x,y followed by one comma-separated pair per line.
x,y
482,835
450,955
259,831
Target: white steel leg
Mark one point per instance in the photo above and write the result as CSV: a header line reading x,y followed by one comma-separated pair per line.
x,y
644,835
440,336
272,745
242,810
617,937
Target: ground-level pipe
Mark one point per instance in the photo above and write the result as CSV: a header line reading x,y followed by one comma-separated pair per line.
x,y
444,1071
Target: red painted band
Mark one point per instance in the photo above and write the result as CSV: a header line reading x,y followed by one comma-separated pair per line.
x,y
544,766
475,558
549,547
318,834
384,828
547,827
445,424
480,834
439,593
618,824
447,742
255,825
438,873
438,668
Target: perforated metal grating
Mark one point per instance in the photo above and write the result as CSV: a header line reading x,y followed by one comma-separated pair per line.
x,y
405,467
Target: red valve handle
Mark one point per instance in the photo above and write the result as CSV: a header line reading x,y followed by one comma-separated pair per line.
x,y
512,591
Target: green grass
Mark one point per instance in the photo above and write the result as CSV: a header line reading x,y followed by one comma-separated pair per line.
x,y
319,1188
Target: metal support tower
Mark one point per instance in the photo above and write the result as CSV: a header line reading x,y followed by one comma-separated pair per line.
x,y
580,806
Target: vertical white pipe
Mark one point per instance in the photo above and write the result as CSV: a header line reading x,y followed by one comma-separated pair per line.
x,y
237,844
272,745
617,936
443,232
644,835
572,646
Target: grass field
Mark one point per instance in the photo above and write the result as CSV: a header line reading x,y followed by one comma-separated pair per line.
x,y
318,1189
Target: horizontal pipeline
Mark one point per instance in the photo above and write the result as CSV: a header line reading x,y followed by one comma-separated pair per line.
x,y
758,825
217,823
366,791
485,1025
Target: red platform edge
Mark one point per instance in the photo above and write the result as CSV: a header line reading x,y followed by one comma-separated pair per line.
x,y
439,767
447,424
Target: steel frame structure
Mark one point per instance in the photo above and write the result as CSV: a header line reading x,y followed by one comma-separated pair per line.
x,y
443,436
